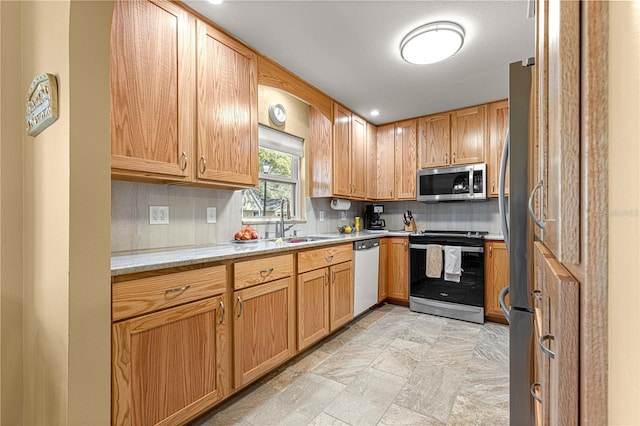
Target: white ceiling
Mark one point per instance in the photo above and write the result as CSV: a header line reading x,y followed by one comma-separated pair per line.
x,y
349,49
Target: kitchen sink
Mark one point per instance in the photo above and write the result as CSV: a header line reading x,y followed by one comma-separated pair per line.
x,y
305,239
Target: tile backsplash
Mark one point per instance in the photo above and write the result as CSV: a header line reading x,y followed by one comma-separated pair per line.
x,y
130,228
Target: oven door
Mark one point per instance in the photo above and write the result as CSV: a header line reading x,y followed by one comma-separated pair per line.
x,y
469,291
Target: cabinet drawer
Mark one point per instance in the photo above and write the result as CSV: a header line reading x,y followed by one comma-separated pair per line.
x,y
314,259
144,295
252,272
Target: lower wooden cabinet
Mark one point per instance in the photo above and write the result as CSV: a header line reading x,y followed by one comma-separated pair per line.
x,y
313,307
383,286
340,295
170,365
496,277
263,333
398,268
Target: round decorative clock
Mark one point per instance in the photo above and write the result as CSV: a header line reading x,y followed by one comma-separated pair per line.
x,y
277,114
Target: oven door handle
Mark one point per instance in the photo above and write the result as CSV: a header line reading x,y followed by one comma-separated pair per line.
x,y
462,248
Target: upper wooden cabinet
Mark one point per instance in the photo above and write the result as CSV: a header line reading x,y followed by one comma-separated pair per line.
x,y
184,99
152,96
385,144
319,154
453,138
405,159
349,154
227,108
498,125
371,182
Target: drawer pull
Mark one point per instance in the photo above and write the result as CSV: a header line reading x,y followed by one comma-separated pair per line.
x,y
241,307
536,294
334,277
176,290
326,279
543,348
328,258
265,272
534,394
222,309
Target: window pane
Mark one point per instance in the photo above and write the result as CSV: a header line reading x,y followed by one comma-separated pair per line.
x,y
275,162
254,202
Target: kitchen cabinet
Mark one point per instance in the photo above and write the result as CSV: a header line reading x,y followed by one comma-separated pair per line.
x,y
454,138
319,154
227,107
349,154
152,96
170,359
383,269
405,159
385,146
372,162
398,269
263,316
498,121
496,277
325,292
558,344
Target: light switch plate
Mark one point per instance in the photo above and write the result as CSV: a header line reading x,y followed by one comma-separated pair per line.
x,y
321,216
211,215
158,215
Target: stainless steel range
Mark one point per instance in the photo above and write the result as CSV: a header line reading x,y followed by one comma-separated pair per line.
x,y
446,274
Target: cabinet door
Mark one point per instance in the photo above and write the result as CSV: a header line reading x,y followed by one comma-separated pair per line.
x,y
372,160
468,134
358,157
498,125
227,105
152,115
560,141
434,140
170,365
398,272
341,151
313,307
386,162
340,295
263,334
405,160
560,315
319,154
496,277
383,269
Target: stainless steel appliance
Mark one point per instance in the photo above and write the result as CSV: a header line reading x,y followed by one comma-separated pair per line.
x,y
458,183
366,255
516,231
372,220
462,300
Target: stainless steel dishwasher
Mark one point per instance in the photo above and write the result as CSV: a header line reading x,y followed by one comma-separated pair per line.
x,y
366,254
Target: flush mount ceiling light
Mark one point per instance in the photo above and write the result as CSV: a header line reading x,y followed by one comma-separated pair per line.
x,y
431,43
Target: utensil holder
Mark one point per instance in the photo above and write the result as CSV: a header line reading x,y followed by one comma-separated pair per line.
x,y
411,227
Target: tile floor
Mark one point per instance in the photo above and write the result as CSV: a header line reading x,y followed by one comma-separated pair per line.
x,y
390,367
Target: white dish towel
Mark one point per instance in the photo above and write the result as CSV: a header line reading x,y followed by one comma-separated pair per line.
x,y
452,258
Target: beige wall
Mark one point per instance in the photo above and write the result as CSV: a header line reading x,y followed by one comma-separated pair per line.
x,y
624,213
62,193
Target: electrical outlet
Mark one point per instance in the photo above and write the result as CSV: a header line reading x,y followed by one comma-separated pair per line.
x,y
158,215
211,215
343,215
321,216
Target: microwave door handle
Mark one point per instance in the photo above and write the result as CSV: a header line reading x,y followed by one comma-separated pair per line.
x,y
470,182
501,193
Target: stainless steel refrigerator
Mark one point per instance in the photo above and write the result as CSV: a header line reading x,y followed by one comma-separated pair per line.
x,y
515,226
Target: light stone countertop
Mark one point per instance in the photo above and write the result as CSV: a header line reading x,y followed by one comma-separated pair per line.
x,y
494,237
123,263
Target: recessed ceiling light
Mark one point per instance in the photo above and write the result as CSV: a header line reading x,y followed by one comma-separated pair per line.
x,y
375,113
432,42
216,2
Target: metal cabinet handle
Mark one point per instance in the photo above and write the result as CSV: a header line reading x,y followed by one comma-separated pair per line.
x,y
328,258
222,309
503,304
326,279
493,186
203,161
532,391
446,157
186,160
543,348
241,306
176,290
265,272
536,294
334,277
491,251
390,193
453,156
537,221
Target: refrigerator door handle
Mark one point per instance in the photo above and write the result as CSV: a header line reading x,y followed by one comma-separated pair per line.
x,y
501,192
503,304
537,221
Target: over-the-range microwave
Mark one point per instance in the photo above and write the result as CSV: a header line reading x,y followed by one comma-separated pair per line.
x,y
457,183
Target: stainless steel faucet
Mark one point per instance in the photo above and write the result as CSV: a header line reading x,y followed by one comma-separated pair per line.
x,y
280,229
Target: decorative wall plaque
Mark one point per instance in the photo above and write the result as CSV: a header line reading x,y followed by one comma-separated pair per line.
x,y
42,103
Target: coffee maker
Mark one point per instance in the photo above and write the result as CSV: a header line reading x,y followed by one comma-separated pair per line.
x,y
372,219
